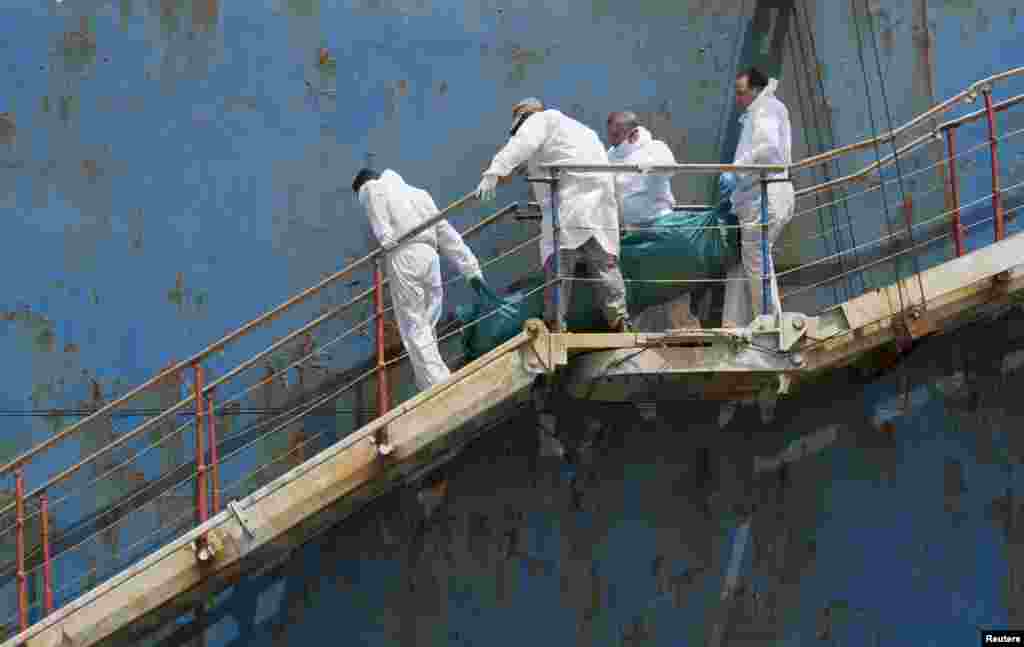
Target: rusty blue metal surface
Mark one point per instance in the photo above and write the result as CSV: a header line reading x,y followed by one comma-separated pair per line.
x,y
171,168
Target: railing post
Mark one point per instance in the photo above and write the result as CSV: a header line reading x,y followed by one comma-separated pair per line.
x,y
997,199
908,213
954,190
201,492
211,422
19,498
44,511
765,259
383,393
556,254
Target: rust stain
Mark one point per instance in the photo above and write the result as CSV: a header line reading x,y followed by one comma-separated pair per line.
x,y
296,447
79,40
45,340
90,169
403,88
177,293
8,127
888,39
204,14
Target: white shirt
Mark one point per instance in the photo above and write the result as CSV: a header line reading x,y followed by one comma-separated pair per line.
x,y
586,206
396,208
766,138
642,198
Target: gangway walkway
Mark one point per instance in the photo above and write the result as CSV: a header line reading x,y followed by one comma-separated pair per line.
x,y
259,527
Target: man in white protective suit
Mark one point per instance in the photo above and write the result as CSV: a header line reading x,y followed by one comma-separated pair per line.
x,y
765,138
413,268
642,197
587,213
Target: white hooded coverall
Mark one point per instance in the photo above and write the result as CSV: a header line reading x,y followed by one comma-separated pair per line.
x,y
643,197
765,138
414,268
587,212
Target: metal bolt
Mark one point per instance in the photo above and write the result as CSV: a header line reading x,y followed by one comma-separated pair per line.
x,y
798,323
798,359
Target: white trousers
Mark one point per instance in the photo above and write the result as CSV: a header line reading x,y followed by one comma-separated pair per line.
x,y
743,289
418,297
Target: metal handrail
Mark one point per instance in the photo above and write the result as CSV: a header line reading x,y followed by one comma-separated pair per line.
x,y
667,168
970,94
373,255
916,143
246,364
699,169
266,317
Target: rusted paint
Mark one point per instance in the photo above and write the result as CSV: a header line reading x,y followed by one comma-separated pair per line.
x,y
8,127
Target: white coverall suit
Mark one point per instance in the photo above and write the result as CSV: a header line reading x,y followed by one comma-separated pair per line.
x,y
414,268
766,138
643,197
587,212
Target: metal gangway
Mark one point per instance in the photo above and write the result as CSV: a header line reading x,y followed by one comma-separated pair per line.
x,y
207,516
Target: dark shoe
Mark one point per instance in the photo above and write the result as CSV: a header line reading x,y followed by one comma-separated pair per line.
x,y
623,325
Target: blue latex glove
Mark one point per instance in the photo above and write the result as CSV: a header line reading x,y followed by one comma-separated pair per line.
x,y
486,191
486,294
726,184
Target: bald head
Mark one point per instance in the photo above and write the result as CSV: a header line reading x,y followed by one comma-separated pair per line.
x,y
620,126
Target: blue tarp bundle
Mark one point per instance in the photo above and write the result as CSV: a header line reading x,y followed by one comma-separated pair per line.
x,y
683,245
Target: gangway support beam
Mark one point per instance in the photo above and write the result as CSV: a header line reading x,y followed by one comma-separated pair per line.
x,y
265,526
946,294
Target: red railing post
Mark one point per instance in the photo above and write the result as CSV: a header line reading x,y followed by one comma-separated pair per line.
x,y
19,499
997,199
211,421
201,492
908,212
383,395
44,512
954,189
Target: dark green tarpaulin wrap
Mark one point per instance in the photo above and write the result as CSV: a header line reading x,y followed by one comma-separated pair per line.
x,y
683,245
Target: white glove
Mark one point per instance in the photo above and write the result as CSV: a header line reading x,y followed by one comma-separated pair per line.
x,y
485,191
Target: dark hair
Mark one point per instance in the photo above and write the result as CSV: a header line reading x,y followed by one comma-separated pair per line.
x,y
754,78
362,177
